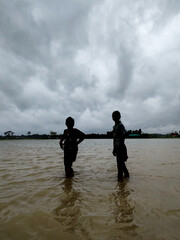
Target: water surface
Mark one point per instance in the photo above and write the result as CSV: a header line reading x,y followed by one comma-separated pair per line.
x,y
38,202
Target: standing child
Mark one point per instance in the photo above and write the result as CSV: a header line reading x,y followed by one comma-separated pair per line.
x,y
119,150
69,143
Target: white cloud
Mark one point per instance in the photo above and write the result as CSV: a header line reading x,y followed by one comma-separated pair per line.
x,y
87,59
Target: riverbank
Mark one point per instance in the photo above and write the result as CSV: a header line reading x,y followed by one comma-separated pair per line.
x,y
90,136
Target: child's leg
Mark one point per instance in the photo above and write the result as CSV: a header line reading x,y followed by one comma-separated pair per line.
x,y
69,171
119,166
69,158
120,169
125,170
121,158
68,164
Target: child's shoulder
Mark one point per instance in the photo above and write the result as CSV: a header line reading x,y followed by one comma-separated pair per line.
x,y
65,131
75,130
78,132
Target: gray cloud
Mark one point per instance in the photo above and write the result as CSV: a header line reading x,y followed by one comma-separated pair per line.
x,y
86,59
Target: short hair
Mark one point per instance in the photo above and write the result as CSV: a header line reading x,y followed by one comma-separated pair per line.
x,y
116,114
69,122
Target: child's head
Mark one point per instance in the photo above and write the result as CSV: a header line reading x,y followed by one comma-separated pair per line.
x,y
70,122
116,116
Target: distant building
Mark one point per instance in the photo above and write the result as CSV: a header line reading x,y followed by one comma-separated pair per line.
x,y
134,135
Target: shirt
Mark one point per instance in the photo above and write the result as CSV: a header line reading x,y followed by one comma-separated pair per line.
x,y
70,138
119,134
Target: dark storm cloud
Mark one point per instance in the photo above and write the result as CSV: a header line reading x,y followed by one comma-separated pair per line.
x,y
86,59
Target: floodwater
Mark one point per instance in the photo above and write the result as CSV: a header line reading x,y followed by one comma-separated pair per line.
x,y
38,202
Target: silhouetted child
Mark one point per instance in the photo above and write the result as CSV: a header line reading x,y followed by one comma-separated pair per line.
x,y
119,150
69,143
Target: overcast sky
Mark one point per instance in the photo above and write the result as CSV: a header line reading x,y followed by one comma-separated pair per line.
x,y
85,59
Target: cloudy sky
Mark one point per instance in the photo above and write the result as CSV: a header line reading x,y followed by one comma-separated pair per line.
x,y
85,59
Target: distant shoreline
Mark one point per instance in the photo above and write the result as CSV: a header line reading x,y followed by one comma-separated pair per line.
x,y
89,136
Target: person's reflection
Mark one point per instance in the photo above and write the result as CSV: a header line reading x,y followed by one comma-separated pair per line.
x,y
123,211
68,212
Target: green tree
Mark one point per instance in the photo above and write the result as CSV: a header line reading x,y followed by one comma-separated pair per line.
x,y
8,133
53,133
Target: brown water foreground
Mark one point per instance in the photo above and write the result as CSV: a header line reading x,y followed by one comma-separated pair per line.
x,y
38,202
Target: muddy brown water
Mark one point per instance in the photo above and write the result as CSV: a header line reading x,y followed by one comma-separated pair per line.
x,y
38,202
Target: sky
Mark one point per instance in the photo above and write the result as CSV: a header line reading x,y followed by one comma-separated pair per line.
x,y
86,59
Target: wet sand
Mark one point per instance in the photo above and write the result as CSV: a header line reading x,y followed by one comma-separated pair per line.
x,y
38,202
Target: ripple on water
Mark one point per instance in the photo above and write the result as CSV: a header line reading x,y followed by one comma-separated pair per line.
x,y
37,202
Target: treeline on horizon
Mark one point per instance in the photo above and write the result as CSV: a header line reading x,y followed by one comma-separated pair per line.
x,y
108,135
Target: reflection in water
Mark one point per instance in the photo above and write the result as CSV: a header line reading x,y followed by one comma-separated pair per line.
x,y
92,205
121,219
68,212
68,209
122,212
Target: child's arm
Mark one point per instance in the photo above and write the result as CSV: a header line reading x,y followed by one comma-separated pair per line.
x,y
114,152
81,137
61,141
